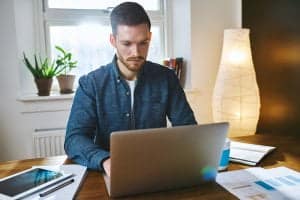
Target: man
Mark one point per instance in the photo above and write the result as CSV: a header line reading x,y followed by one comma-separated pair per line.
x,y
129,93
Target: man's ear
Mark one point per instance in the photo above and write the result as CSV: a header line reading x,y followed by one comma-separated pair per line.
x,y
112,40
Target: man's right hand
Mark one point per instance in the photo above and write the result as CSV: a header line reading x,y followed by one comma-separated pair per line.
x,y
106,166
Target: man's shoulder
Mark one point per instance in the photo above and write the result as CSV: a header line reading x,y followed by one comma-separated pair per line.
x,y
97,76
101,71
151,67
158,71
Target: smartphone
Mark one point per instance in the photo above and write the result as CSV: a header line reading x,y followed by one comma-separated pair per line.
x,y
28,182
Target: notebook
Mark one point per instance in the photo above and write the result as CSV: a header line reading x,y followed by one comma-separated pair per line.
x,y
151,160
249,154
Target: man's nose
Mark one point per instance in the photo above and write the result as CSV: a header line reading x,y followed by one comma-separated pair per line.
x,y
135,50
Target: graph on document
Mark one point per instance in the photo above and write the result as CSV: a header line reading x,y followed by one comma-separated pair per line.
x,y
257,183
277,182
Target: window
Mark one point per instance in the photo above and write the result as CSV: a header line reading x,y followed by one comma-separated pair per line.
x,y
83,27
96,4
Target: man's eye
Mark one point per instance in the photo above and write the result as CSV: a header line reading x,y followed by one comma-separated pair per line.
x,y
144,43
126,44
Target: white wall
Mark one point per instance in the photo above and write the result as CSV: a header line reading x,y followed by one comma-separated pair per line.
x,y
12,126
199,43
197,27
25,38
19,119
209,18
181,36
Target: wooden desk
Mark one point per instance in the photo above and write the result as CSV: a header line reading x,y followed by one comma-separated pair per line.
x,y
287,154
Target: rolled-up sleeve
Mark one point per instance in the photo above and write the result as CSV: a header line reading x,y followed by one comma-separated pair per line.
x,y
80,133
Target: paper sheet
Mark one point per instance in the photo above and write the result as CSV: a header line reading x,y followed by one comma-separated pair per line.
x,y
262,184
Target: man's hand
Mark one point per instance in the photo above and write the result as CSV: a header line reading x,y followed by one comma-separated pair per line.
x,y
106,166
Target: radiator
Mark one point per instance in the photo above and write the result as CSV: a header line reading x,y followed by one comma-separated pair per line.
x,y
48,142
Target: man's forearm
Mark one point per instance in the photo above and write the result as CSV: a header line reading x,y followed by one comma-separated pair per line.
x,y
82,151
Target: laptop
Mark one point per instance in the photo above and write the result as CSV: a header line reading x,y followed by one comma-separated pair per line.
x,y
151,160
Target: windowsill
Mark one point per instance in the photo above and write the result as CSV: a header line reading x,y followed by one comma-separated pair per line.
x,y
56,102
54,96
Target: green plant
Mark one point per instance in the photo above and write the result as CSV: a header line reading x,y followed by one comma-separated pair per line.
x,y
42,68
65,60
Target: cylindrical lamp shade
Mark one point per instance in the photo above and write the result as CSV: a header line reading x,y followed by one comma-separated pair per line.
x,y
236,97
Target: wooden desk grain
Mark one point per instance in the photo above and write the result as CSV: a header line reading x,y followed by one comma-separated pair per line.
x,y
287,154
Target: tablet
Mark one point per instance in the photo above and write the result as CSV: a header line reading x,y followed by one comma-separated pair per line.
x,y
29,181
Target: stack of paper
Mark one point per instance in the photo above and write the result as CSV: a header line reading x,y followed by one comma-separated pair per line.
x,y
249,154
279,183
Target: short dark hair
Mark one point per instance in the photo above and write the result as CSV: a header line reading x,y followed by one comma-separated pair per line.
x,y
128,13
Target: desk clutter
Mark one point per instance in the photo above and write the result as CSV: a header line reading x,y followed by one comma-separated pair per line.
x,y
43,182
279,183
68,189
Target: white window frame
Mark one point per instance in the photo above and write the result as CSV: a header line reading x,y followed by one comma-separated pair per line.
x,y
46,17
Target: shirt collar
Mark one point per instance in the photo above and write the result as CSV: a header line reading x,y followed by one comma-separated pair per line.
x,y
115,68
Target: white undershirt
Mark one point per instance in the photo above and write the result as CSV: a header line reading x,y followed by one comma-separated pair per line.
x,y
132,85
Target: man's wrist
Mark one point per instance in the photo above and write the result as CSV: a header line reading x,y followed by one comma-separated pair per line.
x,y
102,161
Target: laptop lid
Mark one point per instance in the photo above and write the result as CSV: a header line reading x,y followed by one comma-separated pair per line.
x,y
150,160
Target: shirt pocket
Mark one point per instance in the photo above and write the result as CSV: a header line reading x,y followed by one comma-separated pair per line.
x,y
112,121
157,111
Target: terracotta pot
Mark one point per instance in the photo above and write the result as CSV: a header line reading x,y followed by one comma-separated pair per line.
x,y
66,83
43,85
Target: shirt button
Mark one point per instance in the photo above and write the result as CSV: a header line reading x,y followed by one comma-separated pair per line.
x,y
127,93
118,80
127,114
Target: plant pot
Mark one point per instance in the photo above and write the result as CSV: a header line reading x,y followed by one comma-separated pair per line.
x,y
66,83
43,85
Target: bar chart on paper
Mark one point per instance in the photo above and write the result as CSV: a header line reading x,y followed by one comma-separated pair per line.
x,y
262,184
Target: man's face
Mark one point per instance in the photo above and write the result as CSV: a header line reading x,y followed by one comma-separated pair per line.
x,y
132,44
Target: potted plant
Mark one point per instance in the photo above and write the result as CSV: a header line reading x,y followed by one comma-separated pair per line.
x,y
65,80
43,72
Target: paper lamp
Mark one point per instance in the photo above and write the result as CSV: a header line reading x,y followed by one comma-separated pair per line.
x,y
236,96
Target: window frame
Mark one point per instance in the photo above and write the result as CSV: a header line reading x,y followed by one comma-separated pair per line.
x,y
46,17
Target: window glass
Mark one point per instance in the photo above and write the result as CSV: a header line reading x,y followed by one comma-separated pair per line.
x,y
90,45
99,4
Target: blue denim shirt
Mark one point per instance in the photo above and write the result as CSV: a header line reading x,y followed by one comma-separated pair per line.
x,y
102,104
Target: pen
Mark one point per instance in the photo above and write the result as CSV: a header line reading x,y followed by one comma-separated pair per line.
x,y
57,188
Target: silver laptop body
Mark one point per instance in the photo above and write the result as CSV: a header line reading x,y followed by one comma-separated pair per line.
x,y
150,160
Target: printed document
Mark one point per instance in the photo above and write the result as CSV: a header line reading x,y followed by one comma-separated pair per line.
x,y
257,183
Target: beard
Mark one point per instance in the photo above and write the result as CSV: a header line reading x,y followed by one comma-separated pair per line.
x,y
132,63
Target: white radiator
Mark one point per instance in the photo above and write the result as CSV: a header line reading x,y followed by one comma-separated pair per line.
x,y
48,142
